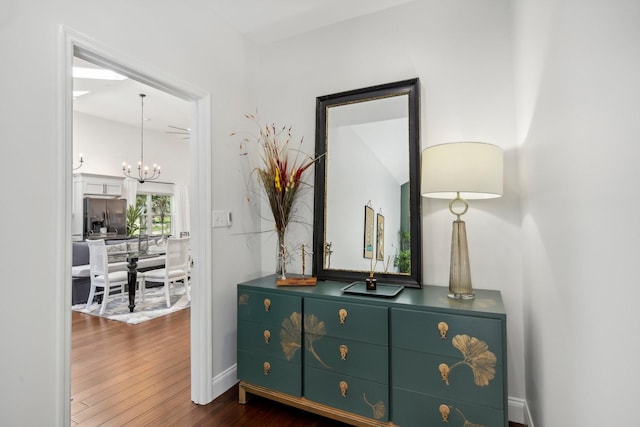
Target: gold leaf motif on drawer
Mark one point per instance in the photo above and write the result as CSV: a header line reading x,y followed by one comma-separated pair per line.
x,y
378,408
445,412
243,299
314,330
290,335
477,356
468,423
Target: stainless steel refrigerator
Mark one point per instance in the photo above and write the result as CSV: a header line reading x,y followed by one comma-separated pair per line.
x,y
104,218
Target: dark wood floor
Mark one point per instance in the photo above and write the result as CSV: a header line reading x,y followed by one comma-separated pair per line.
x,y
138,375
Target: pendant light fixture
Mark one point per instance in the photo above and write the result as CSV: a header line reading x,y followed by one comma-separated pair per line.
x,y
143,170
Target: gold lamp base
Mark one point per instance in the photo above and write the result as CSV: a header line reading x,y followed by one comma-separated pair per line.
x,y
470,169
460,273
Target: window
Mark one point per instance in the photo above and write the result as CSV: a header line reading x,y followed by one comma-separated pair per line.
x,y
155,218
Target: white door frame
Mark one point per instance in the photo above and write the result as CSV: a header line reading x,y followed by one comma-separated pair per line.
x,y
73,43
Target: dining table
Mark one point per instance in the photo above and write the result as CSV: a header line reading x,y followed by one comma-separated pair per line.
x,y
133,256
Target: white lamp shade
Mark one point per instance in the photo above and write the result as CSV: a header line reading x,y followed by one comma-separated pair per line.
x,y
474,169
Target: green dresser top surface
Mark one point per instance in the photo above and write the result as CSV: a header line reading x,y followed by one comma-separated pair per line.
x,y
487,303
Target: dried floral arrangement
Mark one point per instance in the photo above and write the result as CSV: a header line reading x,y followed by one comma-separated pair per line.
x,y
280,172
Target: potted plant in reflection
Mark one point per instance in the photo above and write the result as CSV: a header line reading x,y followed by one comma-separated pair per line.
x,y
403,258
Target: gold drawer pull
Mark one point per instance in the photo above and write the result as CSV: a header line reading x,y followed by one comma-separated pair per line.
x,y
343,352
342,315
343,388
443,328
444,411
267,336
267,304
266,366
444,372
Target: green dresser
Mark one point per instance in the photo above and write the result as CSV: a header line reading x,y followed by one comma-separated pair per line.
x,y
269,336
453,366
418,359
347,357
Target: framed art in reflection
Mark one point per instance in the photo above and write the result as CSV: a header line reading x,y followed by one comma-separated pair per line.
x,y
368,232
380,237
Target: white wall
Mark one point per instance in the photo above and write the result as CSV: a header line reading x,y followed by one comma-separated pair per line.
x,y
184,40
375,186
578,99
578,124
462,53
106,144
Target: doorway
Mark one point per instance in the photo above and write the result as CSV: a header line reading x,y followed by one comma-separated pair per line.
x,y
75,44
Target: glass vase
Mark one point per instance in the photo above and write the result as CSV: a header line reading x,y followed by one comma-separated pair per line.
x,y
282,254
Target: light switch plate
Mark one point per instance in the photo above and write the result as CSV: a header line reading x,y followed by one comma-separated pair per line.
x,y
221,219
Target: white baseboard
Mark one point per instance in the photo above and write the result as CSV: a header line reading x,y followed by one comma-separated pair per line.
x,y
516,410
527,416
224,381
519,411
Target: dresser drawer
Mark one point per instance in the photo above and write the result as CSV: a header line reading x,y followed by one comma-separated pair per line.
x,y
274,373
418,409
433,332
268,340
366,398
366,323
343,356
421,372
262,307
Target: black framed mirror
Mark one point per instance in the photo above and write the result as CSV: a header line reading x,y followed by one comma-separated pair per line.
x,y
367,198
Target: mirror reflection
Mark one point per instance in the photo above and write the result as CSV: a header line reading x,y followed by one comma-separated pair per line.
x,y
373,136
366,192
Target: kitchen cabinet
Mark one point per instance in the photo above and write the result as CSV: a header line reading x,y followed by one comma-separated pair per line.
x,y
90,185
102,188
417,359
98,185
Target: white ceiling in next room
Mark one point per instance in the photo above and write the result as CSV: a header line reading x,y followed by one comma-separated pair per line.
x,y
117,98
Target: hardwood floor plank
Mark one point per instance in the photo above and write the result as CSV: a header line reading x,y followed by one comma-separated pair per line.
x,y
133,393
142,402
139,375
112,383
156,414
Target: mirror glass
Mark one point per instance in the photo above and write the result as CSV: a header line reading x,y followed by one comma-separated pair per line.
x,y
366,185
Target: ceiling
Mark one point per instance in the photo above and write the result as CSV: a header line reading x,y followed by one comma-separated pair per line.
x,y
260,21
265,22
120,101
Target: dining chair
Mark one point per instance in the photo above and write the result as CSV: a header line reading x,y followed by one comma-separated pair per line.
x,y
176,268
100,275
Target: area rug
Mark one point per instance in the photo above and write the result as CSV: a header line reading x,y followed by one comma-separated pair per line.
x,y
154,306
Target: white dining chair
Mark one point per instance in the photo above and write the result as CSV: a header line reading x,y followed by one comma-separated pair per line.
x,y
100,275
176,268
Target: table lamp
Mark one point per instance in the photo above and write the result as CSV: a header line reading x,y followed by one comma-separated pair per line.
x,y
460,171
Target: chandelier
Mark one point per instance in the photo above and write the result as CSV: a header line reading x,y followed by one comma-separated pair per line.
x,y
143,170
